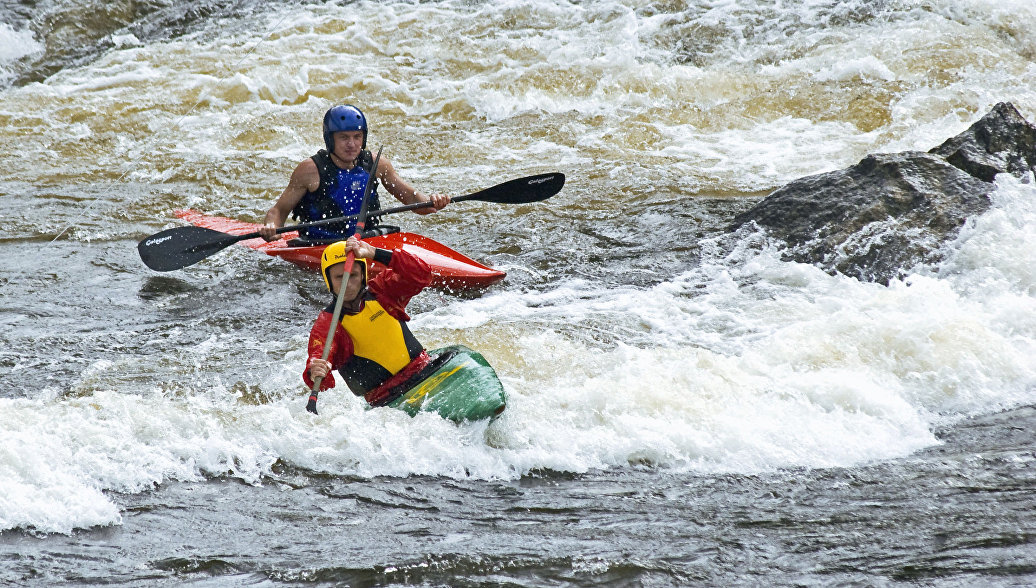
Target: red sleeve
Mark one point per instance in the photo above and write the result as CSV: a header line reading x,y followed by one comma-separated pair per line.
x,y
406,275
341,350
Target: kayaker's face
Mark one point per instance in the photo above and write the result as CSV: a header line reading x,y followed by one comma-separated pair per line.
x,y
348,144
352,287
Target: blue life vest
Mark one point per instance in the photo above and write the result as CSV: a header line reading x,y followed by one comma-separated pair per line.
x,y
340,194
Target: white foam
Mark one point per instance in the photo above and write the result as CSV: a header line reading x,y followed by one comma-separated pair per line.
x,y
751,362
744,363
612,78
14,45
869,67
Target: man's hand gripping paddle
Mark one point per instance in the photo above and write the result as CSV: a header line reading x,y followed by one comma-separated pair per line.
x,y
311,406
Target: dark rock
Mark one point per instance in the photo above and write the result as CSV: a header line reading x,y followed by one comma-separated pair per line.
x,y
886,214
1002,141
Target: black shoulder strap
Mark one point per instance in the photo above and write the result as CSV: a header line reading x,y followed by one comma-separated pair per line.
x,y
326,168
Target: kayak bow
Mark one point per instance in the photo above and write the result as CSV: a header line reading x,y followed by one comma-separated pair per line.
x,y
450,269
462,387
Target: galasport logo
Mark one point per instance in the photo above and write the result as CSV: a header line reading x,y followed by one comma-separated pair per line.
x,y
541,180
153,242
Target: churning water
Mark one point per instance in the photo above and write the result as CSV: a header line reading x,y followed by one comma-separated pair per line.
x,y
684,407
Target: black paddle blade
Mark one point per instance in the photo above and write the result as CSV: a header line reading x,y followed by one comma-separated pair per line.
x,y
521,190
179,247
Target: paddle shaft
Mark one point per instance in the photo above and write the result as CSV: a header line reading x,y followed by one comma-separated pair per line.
x,y
311,405
492,194
337,219
179,247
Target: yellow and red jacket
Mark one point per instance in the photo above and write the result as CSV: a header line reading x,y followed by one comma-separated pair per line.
x,y
373,349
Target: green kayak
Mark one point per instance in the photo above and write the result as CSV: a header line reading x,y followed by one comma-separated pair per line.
x,y
461,386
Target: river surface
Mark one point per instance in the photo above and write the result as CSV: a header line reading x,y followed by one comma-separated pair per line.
x,y
685,408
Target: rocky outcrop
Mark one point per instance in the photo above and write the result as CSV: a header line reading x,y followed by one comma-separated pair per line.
x,y
889,212
1002,141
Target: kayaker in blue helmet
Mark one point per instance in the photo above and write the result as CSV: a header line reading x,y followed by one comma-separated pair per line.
x,y
331,183
373,348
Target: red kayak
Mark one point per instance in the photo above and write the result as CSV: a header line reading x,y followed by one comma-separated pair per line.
x,y
449,268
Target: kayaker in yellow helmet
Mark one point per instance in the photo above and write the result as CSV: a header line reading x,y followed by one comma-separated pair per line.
x,y
373,350
331,183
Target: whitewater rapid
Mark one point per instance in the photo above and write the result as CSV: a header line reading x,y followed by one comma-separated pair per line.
x,y
745,364
734,361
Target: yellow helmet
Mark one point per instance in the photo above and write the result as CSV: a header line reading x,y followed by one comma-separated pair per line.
x,y
337,253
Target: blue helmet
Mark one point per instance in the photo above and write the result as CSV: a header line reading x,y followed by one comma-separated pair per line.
x,y
345,117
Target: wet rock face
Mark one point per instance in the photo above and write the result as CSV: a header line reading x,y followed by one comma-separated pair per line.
x,y
882,216
1002,141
